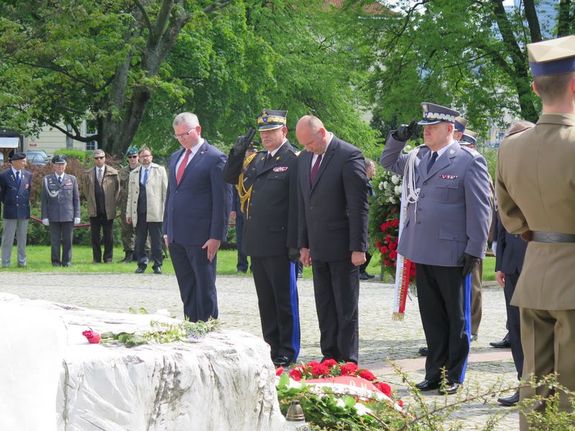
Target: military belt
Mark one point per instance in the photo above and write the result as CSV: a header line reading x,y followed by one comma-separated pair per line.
x,y
552,237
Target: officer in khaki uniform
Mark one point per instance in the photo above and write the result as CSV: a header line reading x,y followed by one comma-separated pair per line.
x,y
536,196
128,231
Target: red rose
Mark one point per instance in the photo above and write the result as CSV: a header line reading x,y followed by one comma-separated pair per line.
x,y
92,336
295,374
348,369
330,363
393,254
279,371
400,402
384,387
367,375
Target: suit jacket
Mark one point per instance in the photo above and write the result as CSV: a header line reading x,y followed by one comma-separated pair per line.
x,y
155,194
60,202
197,209
16,198
510,250
535,191
270,224
452,215
110,185
333,213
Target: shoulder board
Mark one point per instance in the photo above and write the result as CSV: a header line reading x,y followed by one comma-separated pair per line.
x,y
471,151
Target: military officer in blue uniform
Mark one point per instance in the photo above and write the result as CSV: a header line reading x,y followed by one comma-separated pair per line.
x,y
60,210
270,230
444,234
15,186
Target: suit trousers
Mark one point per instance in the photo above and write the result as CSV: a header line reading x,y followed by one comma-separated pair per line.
x,y
154,229
18,228
513,323
548,341
275,280
243,263
336,290
106,239
196,277
445,314
61,242
476,280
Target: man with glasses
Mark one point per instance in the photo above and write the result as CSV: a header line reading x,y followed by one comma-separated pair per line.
x,y
15,186
145,209
196,212
101,186
128,231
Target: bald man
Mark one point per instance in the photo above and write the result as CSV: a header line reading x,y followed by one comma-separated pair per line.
x,y
332,232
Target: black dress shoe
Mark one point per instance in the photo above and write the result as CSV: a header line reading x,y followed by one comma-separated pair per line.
x,y
67,264
449,388
427,385
423,351
157,269
509,401
281,361
503,344
363,276
140,269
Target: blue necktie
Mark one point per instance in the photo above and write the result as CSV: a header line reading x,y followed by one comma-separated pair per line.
x,y
59,180
145,177
431,161
18,178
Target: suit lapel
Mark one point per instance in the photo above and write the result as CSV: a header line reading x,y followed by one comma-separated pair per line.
x,y
195,160
331,149
263,167
442,162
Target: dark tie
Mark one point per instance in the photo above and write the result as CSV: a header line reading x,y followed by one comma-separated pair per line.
x,y
268,159
315,170
182,167
431,161
18,178
59,180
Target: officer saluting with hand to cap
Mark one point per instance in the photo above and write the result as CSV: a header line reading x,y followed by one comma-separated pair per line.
x,y
60,210
444,234
536,197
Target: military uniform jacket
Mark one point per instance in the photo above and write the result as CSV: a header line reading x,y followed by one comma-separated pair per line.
x,y
452,214
270,224
110,186
536,191
16,198
333,213
60,202
124,176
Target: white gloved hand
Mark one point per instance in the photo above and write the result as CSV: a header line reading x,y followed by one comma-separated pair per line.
x,y
76,220
45,222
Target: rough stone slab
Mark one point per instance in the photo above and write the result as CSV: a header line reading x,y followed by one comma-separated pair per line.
x,y
223,381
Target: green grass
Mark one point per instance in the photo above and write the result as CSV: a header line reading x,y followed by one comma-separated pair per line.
x,y
39,261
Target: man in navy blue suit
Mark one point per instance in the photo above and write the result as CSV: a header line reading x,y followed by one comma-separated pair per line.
x,y
15,185
195,216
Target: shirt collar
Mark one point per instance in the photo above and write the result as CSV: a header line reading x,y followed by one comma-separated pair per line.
x,y
274,152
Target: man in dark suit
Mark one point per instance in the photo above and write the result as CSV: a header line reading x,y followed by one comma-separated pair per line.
x,y
195,216
444,234
60,210
332,232
15,186
270,231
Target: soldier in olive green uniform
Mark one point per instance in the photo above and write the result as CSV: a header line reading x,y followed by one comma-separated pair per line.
x,y
128,231
535,189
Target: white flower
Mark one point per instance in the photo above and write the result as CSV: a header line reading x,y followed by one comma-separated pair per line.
x,y
361,409
340,403
395,179
385,184
391,199
398,190
381,185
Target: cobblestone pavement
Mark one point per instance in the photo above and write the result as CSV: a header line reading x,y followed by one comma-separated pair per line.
x,y
381,339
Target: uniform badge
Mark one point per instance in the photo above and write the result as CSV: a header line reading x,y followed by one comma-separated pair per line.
x,y
448,177
280,169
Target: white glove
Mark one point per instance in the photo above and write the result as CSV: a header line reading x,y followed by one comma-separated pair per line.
x,y
45,222
494,247
76,221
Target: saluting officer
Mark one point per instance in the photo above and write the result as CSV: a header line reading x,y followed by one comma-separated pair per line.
x,y
15,186
270,230
445,233
60,210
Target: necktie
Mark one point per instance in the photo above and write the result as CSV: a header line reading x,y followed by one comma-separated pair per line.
x,y
145,178
182,167
315,170
18,178
431,161
268,158
99,175
59,180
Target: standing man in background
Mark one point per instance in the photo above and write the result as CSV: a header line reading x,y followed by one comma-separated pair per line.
x,y
101,186
145,209
270,233
332,232
15,186
536,199
127,229
195,216
444,234
60,210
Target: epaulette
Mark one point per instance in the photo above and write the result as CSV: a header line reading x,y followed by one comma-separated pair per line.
x,y
471,151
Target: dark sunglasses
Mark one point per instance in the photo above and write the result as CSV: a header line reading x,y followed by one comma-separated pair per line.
x,y
132,157
99,157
